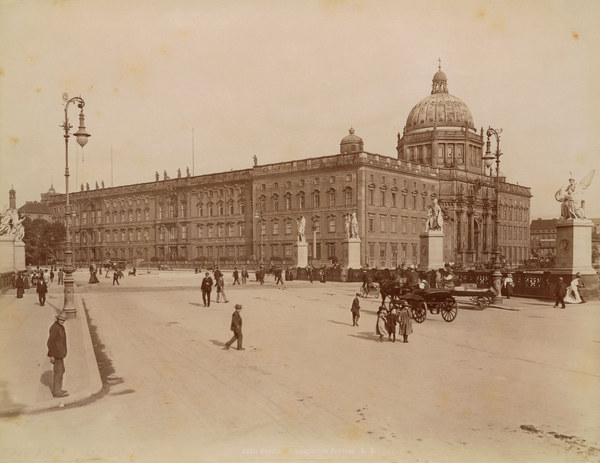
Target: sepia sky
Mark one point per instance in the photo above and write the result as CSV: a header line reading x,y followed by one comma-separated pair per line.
x,y
285,80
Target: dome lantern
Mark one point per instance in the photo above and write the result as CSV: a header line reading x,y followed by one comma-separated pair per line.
x,y
351,143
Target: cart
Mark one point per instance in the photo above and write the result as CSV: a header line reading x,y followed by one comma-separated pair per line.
x,y
437,301
480,298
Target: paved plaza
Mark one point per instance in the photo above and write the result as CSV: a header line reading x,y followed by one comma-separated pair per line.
x,y
520,383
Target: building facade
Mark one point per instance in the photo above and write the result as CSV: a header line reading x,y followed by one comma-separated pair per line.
x,y
250,214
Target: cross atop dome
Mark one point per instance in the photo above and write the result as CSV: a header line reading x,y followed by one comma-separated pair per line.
x,y
440,81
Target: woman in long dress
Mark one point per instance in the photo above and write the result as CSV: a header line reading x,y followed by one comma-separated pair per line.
x,y
573,296
381,326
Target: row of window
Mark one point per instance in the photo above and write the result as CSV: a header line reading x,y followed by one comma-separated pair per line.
x,y
514,233
111,236
302,182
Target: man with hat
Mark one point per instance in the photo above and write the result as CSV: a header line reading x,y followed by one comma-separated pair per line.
x,y
57,351
206,288
404,320
355,309
236,327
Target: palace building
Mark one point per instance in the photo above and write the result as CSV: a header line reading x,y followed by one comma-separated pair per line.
x,y
240,216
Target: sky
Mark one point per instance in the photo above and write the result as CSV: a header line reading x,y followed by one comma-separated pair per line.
x,y
209,84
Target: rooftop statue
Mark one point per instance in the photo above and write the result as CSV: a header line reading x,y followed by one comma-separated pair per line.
x,y
570,197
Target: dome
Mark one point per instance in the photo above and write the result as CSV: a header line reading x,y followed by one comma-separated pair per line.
x,y
440,109
351,143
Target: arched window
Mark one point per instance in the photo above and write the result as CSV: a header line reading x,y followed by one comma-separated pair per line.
x,y
316,198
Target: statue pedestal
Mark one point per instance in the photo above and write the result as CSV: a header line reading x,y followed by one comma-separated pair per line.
x,y
19,258
574,254
351,257
12,254
432,250
574,245
301,254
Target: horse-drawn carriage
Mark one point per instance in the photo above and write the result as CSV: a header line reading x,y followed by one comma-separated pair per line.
x,y
437,301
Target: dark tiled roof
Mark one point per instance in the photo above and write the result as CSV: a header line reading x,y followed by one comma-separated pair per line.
x,y
33,207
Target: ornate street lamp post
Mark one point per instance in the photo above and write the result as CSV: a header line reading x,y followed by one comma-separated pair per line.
x,y
82,138
488,161
259,217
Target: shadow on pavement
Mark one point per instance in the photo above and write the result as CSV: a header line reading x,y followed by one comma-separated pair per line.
x,y
46,378
366,336
7,406
217,343
339,323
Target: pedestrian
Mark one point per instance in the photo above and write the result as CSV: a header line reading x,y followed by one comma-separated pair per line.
x,y
322,274
392,319
41,289
221,288
20,285
560,291
116,277
236,276
355,310
51,276
412,280
438,278
278,274
217,273
309,273
380,326
236,327
46,276
57,351
206,288
260,275
404,321
573,294
244,275
509,284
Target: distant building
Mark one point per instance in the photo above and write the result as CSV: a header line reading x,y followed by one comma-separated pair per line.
x,y
38,209
247,214
542,233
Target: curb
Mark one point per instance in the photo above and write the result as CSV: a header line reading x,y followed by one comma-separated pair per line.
x,y
95,382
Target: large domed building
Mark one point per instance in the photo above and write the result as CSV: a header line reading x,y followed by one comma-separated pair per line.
x,y
250,215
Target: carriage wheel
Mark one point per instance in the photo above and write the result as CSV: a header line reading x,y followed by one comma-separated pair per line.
x,y
419,311
449,309
482,302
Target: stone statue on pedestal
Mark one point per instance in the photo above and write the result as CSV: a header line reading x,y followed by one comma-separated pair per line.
x,y
301,223
435,217
11,225
570,197
354,226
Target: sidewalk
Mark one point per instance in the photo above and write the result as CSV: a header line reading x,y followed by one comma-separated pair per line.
x,y
525,303
25,369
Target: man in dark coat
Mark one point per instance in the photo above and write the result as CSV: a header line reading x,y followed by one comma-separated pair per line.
x,y
412,280
355,310
57,351
206,288
41,289
236,327
278,274
20,285
560,291
236,276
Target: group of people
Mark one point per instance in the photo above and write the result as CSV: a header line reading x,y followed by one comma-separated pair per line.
x,y
39,278
208,283
568,293
398,315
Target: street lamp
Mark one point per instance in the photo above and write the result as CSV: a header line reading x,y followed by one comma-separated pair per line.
x,y
259,216
488,160
82,138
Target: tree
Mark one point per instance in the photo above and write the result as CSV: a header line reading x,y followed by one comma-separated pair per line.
x,y
42,240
